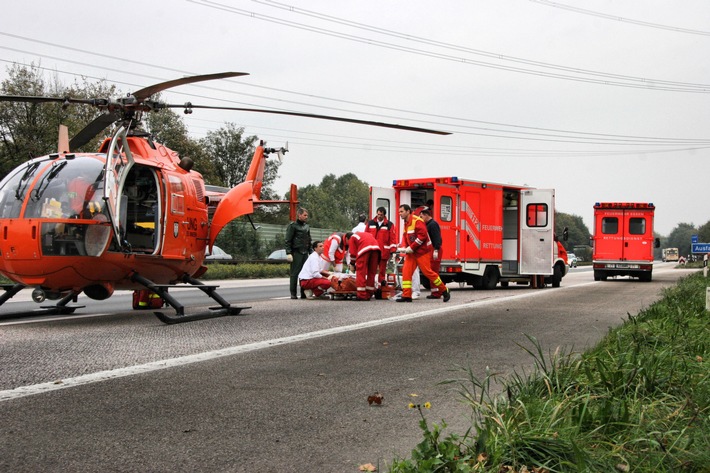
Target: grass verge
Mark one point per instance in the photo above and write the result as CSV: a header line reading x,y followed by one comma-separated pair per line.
x,y
639,401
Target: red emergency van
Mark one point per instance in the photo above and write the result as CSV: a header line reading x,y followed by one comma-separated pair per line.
x,y
623,240
490,232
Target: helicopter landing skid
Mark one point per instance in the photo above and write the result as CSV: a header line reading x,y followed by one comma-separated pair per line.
x,y
10,291
212,313
60,308
224,309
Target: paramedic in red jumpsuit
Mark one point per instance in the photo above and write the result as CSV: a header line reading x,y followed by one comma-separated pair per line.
x,y
415,247
365,255
334,248
384,232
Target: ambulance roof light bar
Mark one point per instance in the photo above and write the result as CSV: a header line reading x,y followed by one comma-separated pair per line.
x,y
439,180
624,205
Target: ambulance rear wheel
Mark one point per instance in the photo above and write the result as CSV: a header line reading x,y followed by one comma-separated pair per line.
x,y
490,278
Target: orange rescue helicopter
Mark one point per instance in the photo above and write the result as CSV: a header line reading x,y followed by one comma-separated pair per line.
x,y
134,215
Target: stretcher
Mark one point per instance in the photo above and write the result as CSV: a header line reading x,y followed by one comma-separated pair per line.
x,y
344,287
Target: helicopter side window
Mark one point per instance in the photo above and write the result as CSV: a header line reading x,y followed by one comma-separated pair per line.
x,y
177,196
140,209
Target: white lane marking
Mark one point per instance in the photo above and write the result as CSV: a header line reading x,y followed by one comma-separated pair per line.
x,y
106,375
53,318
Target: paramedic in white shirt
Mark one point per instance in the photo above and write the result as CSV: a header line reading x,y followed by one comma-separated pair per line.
x,y
313,277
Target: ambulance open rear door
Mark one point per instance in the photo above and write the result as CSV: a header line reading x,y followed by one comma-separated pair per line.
x,y
537,231
383,197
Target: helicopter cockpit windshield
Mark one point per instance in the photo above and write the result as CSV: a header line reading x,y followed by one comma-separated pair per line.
x,y
68,188
66,195
13,189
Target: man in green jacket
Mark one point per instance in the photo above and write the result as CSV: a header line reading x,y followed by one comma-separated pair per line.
x,y
298,244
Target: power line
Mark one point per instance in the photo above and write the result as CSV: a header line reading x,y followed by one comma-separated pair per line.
x,y
621,19
557,136
548,131
419,39
443,149
606,78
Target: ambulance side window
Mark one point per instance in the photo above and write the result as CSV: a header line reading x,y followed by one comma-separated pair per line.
x,y
445,209
637,226
610,225
537,215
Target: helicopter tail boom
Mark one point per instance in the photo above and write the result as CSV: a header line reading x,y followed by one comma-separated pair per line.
x,y
240,200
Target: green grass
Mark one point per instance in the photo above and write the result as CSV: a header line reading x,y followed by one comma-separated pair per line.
x,y
639,401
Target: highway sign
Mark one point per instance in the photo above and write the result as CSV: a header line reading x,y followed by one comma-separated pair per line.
x,y
700,248
694,238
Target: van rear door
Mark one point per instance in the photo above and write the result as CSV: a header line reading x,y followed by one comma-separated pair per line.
x,y
638,235
609,234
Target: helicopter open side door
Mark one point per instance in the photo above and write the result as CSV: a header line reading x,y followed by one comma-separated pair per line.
x,y
119,161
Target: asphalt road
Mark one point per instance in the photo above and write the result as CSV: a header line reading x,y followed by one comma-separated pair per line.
x,y
283,387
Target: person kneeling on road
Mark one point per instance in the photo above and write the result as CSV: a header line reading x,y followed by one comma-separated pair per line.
x,y
313,277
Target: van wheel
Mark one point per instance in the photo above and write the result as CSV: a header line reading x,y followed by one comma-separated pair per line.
x,y
490,278
556,276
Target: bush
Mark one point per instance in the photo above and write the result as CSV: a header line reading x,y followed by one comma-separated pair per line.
x,y
245,271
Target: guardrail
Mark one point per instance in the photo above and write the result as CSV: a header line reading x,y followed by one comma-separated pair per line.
x,y
269,232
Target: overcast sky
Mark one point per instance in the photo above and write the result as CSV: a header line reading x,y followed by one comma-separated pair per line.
x,y
606,103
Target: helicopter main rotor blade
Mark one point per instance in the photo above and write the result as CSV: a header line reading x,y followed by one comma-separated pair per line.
x,y
154,89
313,115
92,129
30,99
39,99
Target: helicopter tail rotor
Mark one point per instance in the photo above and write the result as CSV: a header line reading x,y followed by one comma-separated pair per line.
x,y
281,152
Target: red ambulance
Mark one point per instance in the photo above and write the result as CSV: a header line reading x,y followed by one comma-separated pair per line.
x,y
490,232
623,240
